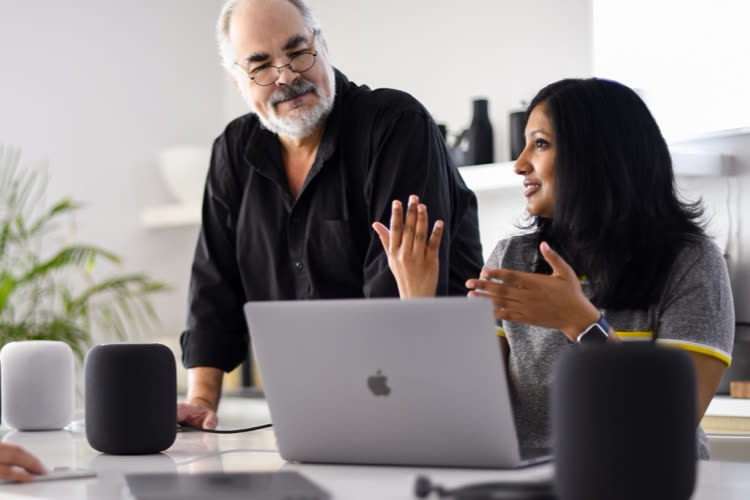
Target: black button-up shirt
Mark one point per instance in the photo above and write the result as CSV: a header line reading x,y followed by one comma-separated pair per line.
x,y
258,242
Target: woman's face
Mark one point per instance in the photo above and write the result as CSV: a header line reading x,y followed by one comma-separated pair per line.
x,y
537,163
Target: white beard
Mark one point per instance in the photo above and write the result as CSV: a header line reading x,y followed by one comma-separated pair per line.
x,y
301,122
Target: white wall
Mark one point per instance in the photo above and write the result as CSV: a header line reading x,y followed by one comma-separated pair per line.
x,y
97,88
688,56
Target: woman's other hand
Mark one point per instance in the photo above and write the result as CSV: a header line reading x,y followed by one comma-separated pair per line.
x,y
412,257
551,301
17,464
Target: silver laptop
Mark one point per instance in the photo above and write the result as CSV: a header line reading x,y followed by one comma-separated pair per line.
x,y
386,381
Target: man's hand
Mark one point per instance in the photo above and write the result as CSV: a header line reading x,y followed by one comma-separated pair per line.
x,y
551,301
204,390
17,464
412,257
196,413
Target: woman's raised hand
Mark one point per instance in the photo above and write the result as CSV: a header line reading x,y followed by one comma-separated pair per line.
x,y
412,257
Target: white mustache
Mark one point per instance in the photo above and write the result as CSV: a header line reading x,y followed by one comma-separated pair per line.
x,y
295,89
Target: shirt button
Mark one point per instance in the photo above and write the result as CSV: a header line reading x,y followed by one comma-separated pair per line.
x,y
298,265
295,220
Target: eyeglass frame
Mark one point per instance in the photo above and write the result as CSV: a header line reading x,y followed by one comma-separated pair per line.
x,y
251,76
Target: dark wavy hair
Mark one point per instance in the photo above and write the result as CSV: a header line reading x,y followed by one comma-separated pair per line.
x,y
617,216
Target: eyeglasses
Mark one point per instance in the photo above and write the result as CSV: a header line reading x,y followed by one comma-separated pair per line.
x,y
267,75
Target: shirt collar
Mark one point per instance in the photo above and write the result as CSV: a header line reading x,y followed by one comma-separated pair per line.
x,y
331,134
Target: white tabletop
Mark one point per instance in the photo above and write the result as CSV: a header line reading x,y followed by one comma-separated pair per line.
x,y
729,407
196,452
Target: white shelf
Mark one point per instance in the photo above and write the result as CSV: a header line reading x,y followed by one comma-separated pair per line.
x,y
728,407
173,215
480,178
691,162
491,177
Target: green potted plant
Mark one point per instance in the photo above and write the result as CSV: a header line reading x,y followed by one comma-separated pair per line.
x,y
48,288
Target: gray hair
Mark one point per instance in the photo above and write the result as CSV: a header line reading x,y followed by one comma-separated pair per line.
x,y
228,57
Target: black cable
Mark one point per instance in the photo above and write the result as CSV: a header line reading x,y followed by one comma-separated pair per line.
x,y
187,428
742,323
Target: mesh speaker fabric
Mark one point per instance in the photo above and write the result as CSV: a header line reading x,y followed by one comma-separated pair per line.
x,y
38,384
130,398
623,423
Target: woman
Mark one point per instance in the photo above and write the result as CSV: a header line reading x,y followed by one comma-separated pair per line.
x,y
610,244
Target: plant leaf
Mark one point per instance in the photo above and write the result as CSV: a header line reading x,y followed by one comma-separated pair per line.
x,y
73,255
61,207
7,284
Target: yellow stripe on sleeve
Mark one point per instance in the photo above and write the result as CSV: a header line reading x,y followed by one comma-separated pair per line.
x,y
699,348
635,335
500,331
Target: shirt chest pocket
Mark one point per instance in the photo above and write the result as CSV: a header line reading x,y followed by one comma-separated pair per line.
x,y
334,251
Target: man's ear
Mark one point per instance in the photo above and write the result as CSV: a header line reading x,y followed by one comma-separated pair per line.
x,y
236,84
234,76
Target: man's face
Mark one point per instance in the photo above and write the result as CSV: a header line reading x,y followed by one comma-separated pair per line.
x,y
271,32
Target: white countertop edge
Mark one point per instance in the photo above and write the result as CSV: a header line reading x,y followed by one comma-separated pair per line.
x,y
724,406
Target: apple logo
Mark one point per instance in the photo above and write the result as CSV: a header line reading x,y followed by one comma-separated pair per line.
x,y
378,384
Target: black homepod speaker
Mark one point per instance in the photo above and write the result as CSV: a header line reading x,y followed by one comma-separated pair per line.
x,y
623,423
130,398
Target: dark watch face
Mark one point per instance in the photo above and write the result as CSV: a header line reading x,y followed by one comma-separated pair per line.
x,y
594,335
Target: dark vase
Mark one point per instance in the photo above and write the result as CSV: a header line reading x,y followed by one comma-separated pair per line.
x,y
517,140
481,140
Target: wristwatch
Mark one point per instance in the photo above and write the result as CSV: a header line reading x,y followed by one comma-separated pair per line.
x,y
597,333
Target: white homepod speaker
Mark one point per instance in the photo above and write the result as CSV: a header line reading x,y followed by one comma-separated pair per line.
x,y
37,384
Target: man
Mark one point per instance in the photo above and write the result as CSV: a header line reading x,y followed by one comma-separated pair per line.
x,y
294,187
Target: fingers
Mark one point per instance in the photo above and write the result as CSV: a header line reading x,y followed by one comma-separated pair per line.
x,y
196,416
184,411
492,285
210,421
515,278
408,235
410,225
17,464
498,300
397,221
503,308
433,246
10,473
420,231
558,265
384,234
